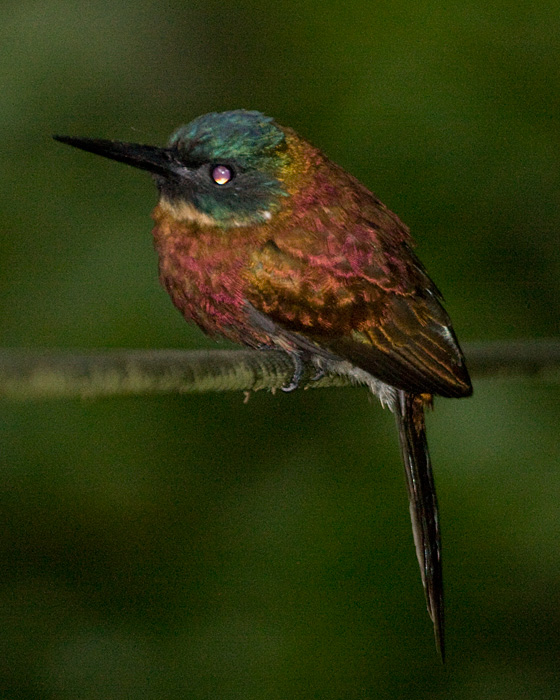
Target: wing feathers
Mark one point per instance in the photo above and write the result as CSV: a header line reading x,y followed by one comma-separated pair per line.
x,y
395,328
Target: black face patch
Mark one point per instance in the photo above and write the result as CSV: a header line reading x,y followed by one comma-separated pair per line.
x,y
244,198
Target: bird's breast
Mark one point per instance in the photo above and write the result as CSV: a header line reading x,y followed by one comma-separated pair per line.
x,y
201,268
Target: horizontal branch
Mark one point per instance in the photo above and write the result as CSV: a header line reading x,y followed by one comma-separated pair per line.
x,y
40,374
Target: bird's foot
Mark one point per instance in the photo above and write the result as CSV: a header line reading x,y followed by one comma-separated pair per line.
x,y
319,374
298,372
298,358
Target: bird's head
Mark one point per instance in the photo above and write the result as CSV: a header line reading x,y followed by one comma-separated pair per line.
x,y
225,169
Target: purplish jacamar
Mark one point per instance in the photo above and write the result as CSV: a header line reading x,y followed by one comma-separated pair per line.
x,y
265,241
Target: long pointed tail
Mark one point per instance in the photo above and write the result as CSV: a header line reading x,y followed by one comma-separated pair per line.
x,y
409,412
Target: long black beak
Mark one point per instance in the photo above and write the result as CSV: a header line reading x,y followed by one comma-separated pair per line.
x,y
160,161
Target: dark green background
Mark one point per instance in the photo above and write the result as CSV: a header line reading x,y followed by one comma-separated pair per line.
x,y
197,547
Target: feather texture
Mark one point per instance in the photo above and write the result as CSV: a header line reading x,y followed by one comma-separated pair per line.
x,y
293,252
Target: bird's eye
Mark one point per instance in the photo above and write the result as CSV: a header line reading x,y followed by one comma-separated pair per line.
x,y
221,174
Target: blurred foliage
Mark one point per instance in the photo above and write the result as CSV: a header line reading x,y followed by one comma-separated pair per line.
x,y
197,547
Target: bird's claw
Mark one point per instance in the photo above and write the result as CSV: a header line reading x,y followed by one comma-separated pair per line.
x,y
319,374
297,357
298,373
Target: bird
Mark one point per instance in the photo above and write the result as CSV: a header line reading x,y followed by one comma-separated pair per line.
x,y
263,240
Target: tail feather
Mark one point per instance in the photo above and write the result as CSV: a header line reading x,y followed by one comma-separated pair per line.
x,y
409,412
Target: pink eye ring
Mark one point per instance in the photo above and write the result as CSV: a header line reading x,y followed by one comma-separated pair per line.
x,y
221,174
